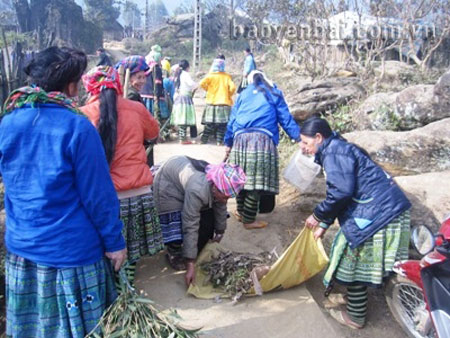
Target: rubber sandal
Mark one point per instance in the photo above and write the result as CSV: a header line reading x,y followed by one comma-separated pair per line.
x,y
256,225
338,315
176,262
334,300
237,215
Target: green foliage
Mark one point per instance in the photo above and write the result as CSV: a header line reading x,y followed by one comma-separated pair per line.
x,y
386,117
13,37
341,119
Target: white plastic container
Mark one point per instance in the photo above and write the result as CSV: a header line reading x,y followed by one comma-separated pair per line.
x,y
301,170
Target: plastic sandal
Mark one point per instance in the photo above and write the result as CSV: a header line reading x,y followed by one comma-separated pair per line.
x,y
342,319
256,225
334,300
237,215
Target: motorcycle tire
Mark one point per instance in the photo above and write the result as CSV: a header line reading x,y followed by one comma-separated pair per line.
x,y
406,302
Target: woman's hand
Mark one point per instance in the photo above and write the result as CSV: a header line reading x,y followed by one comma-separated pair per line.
x,y
319,233
311,222
227,153
217,238
189,277
117,258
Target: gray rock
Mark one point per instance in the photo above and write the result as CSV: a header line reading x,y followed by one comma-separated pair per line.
x,y
422,150
394,70
323,96
442,92
411,108
430,197
376,113
416,106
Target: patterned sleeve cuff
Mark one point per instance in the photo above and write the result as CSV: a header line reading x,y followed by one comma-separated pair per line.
x,y
324,225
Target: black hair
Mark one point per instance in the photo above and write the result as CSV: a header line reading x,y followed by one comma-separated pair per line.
x,y
264,87
317,125
220,56
314,125
248,50
54,68
101,50
107,125
184,64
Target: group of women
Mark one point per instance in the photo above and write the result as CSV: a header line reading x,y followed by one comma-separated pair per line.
x,y
69,173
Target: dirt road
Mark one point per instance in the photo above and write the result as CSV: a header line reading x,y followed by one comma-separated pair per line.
x,y
292,313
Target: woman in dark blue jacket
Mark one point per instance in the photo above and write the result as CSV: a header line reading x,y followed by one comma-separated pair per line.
x,y
372,212
252,138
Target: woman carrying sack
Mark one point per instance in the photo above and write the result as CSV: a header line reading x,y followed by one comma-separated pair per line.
x,y
373,217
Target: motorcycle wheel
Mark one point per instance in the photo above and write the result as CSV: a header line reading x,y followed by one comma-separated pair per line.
x,y
406,302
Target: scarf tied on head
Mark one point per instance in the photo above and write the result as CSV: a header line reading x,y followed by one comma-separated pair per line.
x,y
228,178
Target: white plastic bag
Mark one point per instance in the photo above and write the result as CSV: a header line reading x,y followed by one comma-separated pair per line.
x,y
301,170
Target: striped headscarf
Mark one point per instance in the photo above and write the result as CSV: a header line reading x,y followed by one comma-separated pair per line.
x,y
135,63
32,95
218,65
228,178
100,78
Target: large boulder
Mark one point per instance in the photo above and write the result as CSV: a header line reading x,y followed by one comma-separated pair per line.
x,y
395,70
323,96
430,197
422,150
441,92
376,113
180,30
416,106
408,109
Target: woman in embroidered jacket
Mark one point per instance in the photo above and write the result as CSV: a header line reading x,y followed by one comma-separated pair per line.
x,y
61,206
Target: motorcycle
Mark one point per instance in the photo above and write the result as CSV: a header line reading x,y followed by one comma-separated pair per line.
x,y
419,294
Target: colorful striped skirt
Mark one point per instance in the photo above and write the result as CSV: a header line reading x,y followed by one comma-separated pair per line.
x,y
171,226
163,112
142,231
256,153
374,260
183,112
218,114
46,302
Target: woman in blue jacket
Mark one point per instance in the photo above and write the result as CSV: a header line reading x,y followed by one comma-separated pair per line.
x,y
251,142
62,212
372,212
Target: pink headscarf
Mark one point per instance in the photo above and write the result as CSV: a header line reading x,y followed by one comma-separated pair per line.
x,y
228,178
102,77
